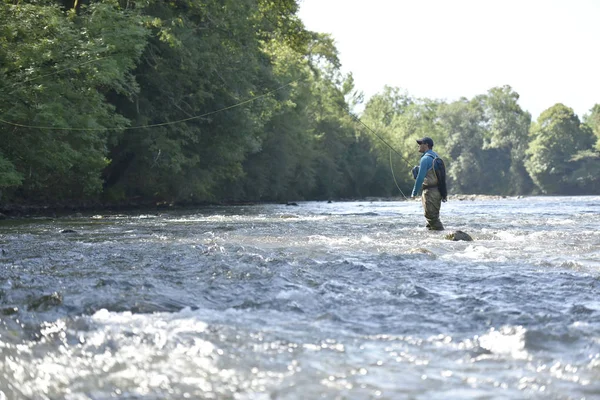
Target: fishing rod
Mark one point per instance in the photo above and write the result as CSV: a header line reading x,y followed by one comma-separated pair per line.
x,y
379,137
392,149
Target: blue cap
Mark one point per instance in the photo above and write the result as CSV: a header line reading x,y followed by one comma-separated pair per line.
x,y
427,140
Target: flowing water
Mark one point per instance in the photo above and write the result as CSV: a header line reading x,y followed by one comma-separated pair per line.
x,y
353,300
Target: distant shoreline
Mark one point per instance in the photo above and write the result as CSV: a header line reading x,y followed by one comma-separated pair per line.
x,y
15,211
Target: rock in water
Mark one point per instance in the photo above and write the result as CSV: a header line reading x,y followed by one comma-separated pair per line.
x,y
459,235
45,302
420,250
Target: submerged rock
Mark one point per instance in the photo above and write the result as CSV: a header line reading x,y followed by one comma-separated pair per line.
x,y
45,302
420,250
9,310
459,235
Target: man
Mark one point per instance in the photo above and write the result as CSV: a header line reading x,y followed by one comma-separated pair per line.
x,y
427,181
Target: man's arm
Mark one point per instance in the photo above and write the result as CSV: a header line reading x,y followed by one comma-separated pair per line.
x,y
424,166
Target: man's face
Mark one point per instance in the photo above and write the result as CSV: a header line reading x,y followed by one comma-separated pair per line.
x,y
423,148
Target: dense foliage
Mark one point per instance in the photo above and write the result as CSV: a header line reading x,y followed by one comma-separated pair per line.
x,y
234,100
560,156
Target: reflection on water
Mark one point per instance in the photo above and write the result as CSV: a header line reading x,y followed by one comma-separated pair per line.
x,y
335,300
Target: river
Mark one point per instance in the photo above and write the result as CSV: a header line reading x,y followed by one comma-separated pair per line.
x,y
342,300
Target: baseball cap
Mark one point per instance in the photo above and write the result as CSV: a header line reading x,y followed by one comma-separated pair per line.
x,y
427,140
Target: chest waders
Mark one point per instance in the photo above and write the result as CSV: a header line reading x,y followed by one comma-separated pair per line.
x,y
432,200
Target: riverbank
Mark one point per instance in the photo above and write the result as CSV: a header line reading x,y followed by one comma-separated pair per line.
x,y
57,210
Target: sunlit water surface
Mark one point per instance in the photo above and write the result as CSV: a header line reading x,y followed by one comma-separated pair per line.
x,y
353,300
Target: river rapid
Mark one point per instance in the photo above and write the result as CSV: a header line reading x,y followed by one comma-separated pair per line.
x,y
343,300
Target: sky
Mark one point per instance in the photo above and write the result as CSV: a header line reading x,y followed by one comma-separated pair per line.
x,y
546,50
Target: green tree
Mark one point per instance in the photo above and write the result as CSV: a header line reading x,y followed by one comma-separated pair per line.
x,y
204,64
55,68
505,141
334,135
463,125
388,129
310,147
282,168
556,139
9,176
593,121
584,177
201,59
486,139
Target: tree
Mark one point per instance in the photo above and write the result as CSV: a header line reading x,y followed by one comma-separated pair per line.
x,y
282,168
463,124
203,64
394,124
556,138
505,141
585,175
55,70
486,138
593,121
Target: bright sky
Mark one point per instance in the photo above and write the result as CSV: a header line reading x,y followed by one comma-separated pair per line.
x,y
546,50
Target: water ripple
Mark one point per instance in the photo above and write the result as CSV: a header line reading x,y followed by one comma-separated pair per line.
x,y
345,300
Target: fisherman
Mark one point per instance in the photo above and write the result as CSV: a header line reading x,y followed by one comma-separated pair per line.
x,y
427,181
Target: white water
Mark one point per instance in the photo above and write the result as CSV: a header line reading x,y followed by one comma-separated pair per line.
x,y
344,300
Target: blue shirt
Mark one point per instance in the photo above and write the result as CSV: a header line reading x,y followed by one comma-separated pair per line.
x,y
424,166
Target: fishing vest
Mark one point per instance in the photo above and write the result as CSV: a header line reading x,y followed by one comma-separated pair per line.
x,y
436,176
431,179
